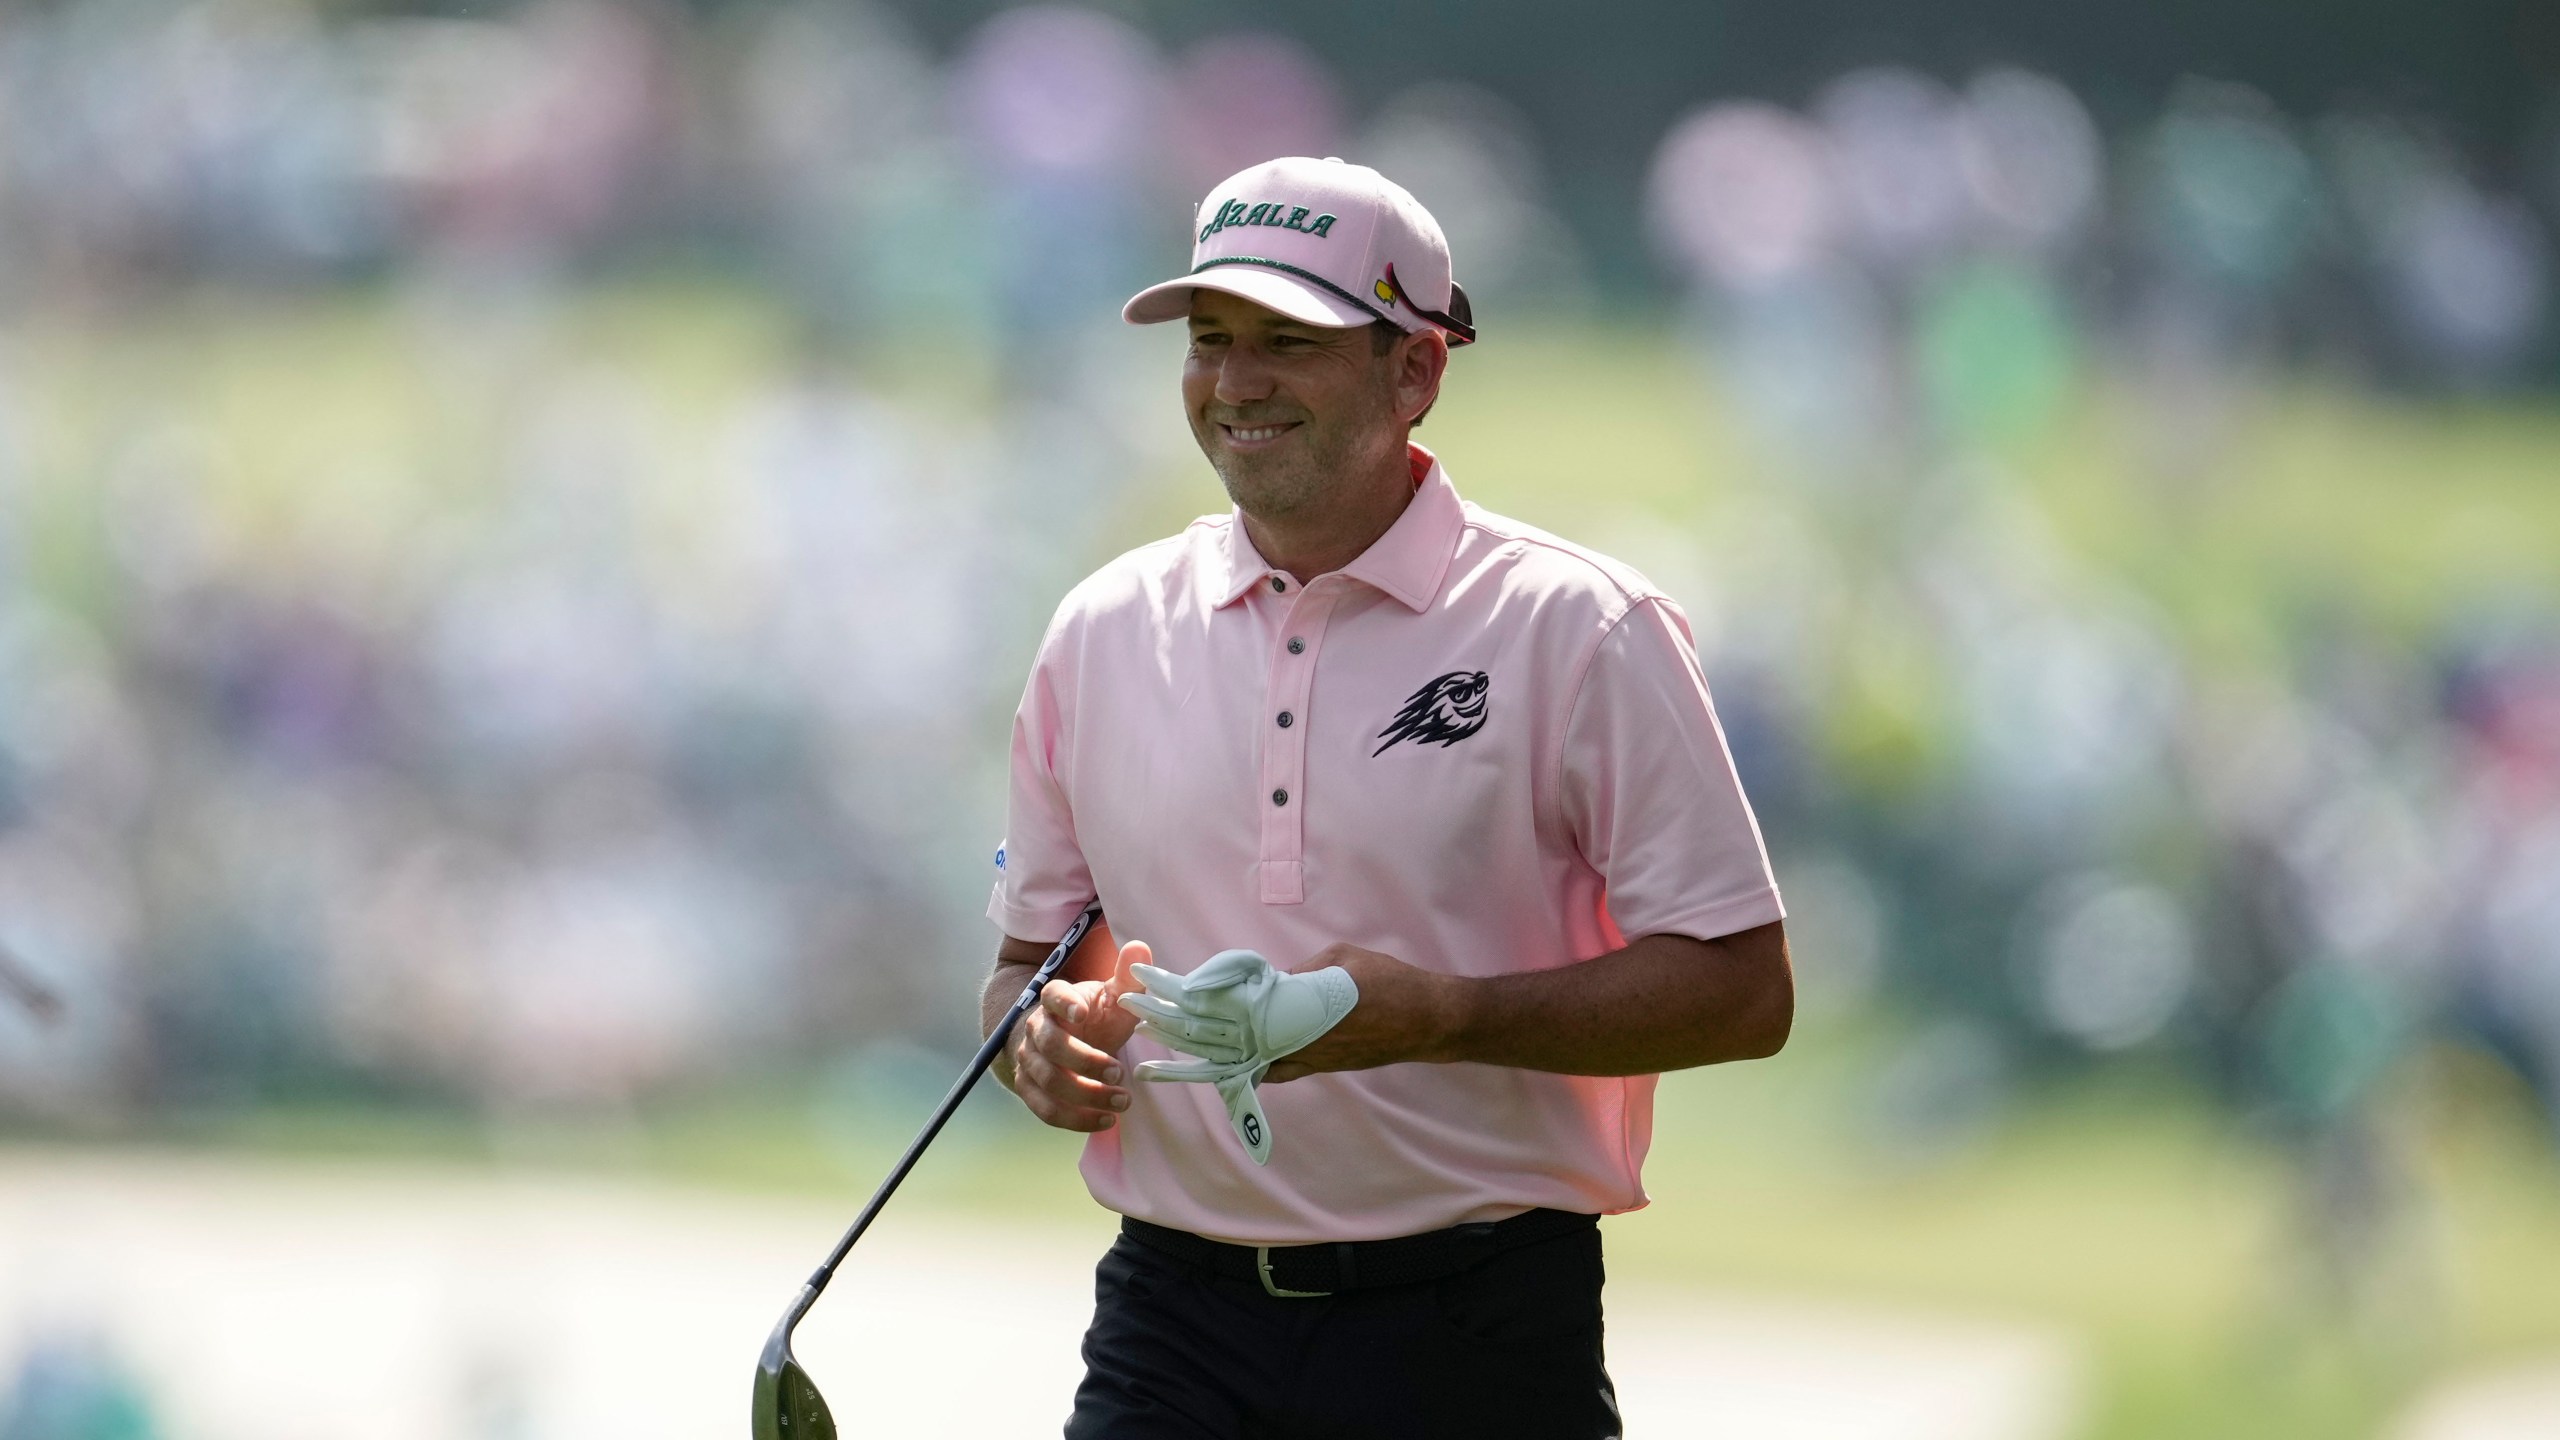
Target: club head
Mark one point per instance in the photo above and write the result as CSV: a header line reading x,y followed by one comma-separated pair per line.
x,y
788,1405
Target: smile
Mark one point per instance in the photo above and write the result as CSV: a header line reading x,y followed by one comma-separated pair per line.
x,y
1257,434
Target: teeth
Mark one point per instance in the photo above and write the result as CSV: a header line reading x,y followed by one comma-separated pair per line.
x,y
1259,432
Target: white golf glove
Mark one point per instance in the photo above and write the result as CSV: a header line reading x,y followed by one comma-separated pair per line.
x,y
1238,1014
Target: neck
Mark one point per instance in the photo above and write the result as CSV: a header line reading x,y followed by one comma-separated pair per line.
x,y
1324,537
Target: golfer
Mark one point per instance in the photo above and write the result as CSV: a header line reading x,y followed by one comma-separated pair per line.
x,y
1421,854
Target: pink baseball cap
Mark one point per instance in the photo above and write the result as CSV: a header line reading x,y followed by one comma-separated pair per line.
x,y
1322,242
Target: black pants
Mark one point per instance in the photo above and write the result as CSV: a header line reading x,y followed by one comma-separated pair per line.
x,y
1510,1347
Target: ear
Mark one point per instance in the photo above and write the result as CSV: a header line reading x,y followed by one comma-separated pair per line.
x,y
1419,360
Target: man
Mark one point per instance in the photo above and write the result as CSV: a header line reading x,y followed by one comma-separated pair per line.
x,y
1361,723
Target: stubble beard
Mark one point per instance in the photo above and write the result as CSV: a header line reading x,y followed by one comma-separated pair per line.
x,y
1301,478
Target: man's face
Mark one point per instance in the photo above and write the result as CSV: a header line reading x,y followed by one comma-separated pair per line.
x,y
1286,411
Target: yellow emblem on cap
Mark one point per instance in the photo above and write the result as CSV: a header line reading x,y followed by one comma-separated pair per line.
x,y
1385,291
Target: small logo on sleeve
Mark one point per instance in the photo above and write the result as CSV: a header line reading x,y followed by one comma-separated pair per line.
x,y
1443,712
999,857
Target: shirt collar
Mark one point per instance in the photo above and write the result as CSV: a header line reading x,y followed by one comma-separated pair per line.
x,y
1408,562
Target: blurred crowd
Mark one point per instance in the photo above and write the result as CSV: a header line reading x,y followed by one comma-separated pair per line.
x,y
598,738
2095,837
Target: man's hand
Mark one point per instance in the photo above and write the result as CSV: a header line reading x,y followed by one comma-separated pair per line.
x,y
1405,1013
1063,1058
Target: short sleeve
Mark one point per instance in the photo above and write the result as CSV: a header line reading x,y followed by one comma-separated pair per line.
x,y
1042,882
1649,788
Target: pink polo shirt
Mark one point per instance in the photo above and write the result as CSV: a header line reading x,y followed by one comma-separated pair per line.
x,y
1476,748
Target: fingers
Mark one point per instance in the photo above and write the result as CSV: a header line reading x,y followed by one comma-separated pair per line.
x,y
1193,1071
1064,1003
1153,981
1148,1007
1184,1014
1065,1081
1068,1013
1183,1028
1064,1101
1124,979
1085,1010
1214,1054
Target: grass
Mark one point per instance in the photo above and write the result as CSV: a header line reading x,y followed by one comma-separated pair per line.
x,y
307,411
2133,1213
2120,1209
2392,509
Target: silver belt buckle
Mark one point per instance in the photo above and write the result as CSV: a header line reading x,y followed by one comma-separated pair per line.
x,y
1262,1267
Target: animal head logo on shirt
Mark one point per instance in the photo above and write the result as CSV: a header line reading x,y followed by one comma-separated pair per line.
x,y
1447,710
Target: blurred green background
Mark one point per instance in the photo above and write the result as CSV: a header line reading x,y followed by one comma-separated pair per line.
x,y
521,529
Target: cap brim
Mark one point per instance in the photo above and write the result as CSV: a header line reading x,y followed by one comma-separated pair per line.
x,y
1300,300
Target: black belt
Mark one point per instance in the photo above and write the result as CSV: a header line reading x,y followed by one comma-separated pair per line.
x,y
1296,1271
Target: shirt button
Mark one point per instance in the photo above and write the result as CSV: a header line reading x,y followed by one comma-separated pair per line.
x,y
1287,720
1297,646
1278,585
1279,797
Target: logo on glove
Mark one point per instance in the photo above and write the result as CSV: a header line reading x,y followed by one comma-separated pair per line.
x,y
1253,1131
1446,711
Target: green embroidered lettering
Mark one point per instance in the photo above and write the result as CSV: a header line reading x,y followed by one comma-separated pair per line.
x,y
1288,217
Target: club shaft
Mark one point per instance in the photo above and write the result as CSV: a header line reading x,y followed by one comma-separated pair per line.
x,y
968,1080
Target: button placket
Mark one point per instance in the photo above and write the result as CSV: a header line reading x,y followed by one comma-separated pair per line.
x,y
1286,721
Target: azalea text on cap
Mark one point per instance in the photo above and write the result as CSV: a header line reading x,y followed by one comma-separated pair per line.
x,y
1322,242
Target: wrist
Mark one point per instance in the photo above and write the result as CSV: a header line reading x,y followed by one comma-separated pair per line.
x,y
1002,1069
1455,1002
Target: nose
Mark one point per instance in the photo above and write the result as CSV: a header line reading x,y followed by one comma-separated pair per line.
x,y
1244,376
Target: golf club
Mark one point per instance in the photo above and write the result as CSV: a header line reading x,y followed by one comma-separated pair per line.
x,y
788,1405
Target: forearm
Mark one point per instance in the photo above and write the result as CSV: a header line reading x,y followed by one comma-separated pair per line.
x,y
1004,986
1665,1002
